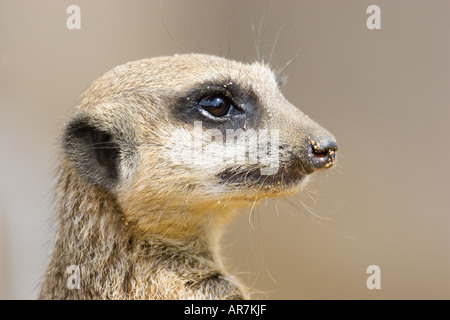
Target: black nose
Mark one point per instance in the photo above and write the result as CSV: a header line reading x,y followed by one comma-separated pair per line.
x,y
322,152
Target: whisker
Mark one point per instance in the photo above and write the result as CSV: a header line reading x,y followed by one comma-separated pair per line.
x,y
283,71
276,208
274,45
320,220
250,214
309,209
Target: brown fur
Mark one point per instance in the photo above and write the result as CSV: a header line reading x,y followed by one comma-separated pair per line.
x,y
154,231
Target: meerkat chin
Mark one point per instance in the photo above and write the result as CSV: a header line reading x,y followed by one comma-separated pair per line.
x,y
156,159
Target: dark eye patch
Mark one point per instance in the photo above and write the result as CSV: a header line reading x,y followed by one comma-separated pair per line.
x,y
220,105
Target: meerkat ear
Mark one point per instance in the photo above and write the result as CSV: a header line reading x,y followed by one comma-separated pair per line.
x,y
94,152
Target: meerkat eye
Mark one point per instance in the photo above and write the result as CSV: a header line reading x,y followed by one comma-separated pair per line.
x,y
216,105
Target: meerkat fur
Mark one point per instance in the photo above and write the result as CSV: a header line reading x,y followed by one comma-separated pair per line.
x,y
136,223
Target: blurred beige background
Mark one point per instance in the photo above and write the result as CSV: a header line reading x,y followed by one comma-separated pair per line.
x,y
383,93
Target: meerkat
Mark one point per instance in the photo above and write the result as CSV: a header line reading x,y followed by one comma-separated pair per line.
x,y
136,219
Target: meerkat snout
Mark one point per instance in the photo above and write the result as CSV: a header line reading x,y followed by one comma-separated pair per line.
x,y
322,152
157,157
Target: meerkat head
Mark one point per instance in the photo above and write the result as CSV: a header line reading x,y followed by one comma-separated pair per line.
x,y
193,131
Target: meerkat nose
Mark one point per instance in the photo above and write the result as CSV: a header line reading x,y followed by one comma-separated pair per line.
x,y
322,153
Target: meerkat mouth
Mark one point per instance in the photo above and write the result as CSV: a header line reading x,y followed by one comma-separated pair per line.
x,y
284,178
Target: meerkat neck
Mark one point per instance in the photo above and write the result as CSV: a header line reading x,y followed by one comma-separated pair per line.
x,y
93,216
94,236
